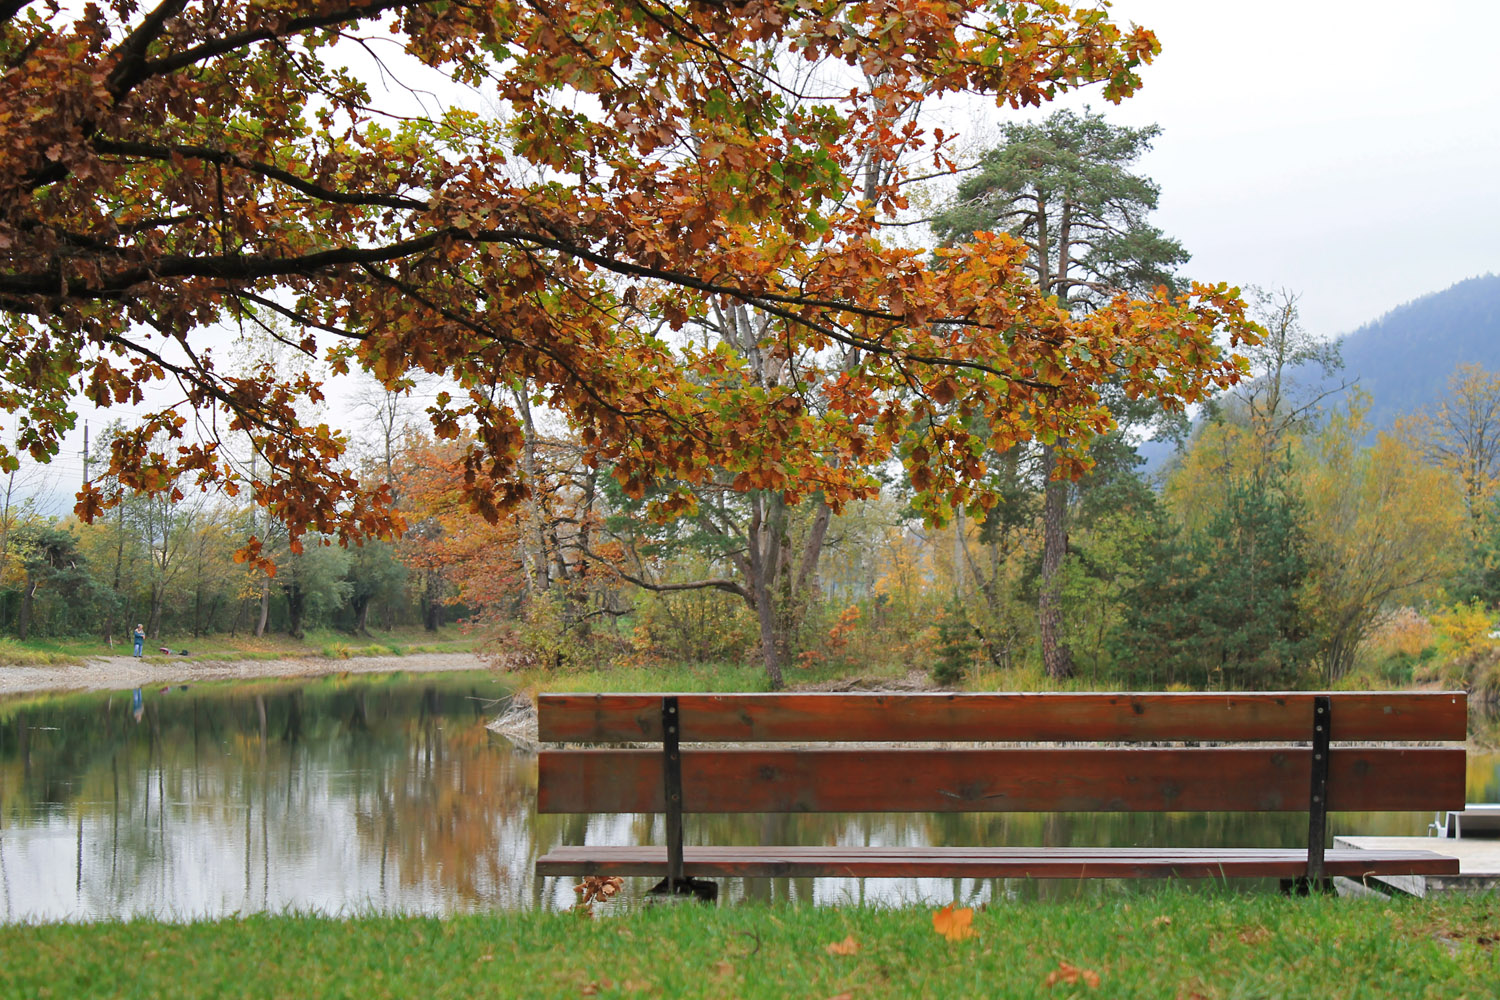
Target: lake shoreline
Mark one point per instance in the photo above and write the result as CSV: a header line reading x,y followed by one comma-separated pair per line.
x,y
112,673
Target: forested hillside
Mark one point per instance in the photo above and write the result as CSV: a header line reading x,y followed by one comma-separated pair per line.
x,y
1404,358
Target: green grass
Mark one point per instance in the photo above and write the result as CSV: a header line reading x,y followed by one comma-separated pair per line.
x,y
18,654
321,643
1168,944
689,677
674,677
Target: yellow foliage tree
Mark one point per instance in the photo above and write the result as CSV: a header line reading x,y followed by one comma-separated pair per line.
x,y
1383,528
1461,434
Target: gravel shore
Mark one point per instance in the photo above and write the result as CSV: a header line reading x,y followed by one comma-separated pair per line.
x,y
116,672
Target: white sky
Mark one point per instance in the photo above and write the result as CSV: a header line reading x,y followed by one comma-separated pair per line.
x,y
1346,149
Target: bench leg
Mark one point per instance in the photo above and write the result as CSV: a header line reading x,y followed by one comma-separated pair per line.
x,y
1303,886
702,889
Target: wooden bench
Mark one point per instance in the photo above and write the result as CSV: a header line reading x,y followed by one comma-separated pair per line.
x,y
1145,754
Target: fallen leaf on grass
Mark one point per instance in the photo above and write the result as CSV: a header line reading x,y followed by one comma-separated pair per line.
x,y
846,995
1070,974
1254,935
848,946
1162,922
724,969
955,925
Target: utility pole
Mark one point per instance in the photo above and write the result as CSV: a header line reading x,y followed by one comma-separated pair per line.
x,y
85,453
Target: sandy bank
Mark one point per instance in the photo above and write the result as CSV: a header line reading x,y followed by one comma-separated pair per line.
x,y
117,672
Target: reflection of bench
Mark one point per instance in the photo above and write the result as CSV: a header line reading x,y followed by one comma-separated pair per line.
x,y
1136,763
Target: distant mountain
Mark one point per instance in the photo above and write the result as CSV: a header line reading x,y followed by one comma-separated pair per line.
x,y
1404,358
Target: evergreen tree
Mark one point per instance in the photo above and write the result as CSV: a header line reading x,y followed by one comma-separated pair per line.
x,y
1222,608
1253,558
1066,187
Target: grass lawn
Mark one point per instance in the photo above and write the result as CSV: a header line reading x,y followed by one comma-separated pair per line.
x,y
1161,944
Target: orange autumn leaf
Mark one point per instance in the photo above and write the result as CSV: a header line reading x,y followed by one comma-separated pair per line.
x,y
1071,974
955,925
848,946
447,249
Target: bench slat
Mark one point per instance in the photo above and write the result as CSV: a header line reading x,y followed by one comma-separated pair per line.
x,y
948,717
987,862
1218,779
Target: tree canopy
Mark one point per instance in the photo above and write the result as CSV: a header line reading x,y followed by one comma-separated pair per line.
x,y
169,170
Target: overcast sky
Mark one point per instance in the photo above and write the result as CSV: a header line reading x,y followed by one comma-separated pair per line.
x,y
1346,149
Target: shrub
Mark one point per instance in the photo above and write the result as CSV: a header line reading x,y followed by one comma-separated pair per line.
x,y
692,626
957,646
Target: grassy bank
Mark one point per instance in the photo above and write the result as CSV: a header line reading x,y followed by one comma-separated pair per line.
x,y
327,644
1170,944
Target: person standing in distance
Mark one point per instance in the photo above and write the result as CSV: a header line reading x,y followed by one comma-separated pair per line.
x,y
140,639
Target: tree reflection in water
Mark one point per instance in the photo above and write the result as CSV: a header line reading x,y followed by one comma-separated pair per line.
x,y
347,795
334,795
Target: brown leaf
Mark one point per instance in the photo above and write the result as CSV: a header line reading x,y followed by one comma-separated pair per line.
x,y
1163,921
1071,974
1254,935
848,946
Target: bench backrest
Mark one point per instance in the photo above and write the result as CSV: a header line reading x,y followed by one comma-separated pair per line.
x,y
1099,778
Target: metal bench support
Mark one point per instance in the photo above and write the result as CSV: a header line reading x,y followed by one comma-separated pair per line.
x,y
1317,807
676,883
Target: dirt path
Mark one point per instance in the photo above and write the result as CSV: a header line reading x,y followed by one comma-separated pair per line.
x,y
116,672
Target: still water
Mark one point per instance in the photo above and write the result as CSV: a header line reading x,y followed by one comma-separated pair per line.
x,y
389,794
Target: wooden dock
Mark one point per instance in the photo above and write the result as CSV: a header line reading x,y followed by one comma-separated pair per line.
x,y
1478,863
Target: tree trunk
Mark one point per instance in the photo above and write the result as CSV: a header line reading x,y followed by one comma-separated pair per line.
x,y
109,624
769,642
1056,658
265,607
23,624
763,549
295,602
807,574
153,622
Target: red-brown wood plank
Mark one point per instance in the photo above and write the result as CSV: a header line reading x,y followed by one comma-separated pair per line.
x,y
990,862
962,717
1218,779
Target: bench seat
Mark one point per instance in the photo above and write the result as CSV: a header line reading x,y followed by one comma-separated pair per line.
x,y
986,862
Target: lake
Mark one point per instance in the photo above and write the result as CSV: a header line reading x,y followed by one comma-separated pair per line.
x,y
360,794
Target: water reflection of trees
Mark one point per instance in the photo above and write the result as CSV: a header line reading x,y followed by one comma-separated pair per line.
x,y
221,799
